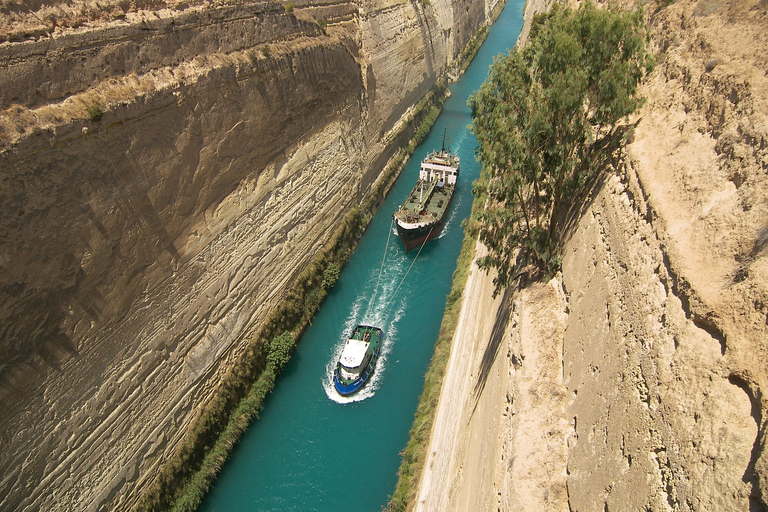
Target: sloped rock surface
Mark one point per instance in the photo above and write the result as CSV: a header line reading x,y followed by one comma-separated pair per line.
x,y
166,171
636,380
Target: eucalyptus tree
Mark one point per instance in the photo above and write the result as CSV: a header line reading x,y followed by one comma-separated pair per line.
x,y
544,117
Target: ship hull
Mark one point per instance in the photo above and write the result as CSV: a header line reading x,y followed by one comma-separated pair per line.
x,y
415,237
421,216
347,383
350,388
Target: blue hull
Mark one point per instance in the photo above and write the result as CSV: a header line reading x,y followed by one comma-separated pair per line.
x,y
349,389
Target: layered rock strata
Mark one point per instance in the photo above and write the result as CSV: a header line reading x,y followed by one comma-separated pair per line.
x,y
164,175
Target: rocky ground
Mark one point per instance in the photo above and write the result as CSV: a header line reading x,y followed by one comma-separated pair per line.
x,y
636,379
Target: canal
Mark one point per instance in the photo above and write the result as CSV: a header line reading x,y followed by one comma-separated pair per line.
x,y
312,450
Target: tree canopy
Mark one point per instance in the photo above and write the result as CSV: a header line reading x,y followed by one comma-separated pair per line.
x,y
543,118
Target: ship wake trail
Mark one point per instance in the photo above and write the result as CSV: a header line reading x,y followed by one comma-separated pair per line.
x,y
369,311
451,217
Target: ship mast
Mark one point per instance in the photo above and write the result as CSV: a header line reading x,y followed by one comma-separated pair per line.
x,y
444,130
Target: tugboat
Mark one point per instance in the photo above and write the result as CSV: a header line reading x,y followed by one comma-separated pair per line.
x,y
420,218
358,359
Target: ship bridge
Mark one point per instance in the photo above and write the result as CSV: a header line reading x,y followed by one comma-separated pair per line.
x,y
440,166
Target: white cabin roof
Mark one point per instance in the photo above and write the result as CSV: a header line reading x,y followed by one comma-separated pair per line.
x,y
354,352
438,166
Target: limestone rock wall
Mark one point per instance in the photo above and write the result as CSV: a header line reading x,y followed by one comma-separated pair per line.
x,y
141,252
664,346
635,379
657,420
664,342
164,176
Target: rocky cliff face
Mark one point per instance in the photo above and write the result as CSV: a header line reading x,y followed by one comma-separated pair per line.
x,y
636,380
165,172
666,279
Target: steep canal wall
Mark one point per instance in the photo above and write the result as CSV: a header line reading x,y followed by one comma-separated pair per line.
x,y
634,380
166,171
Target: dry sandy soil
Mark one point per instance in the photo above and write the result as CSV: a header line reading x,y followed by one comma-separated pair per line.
x,y
636,379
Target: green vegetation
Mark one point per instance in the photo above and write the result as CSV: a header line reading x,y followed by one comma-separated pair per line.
x,y
280,349
266,50
331,274
185,478
429,120
474,44
288,7
426,112
94,113
548,118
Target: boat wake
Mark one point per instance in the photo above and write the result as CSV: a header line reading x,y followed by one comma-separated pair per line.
x,y
365,311
451,217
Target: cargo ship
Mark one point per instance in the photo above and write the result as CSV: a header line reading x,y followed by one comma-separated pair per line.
x,y
422,215
358,359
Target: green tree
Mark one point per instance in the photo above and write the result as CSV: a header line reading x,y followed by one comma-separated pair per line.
x,y
280,349
331,274
94,113
544,117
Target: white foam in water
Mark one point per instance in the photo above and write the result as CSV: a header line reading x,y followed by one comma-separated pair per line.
x,y
375,314
451,216
463,134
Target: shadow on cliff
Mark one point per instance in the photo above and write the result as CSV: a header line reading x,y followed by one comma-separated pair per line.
x,y
757,459
494,343
579,204
608,160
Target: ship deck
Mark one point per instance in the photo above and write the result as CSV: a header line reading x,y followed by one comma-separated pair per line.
x,y
435,205
366,333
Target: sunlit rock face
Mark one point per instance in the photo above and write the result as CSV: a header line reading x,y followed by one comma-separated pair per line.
x,y
634,379
165,173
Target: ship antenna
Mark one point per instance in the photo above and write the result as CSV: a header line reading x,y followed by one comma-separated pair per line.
x,y
444,130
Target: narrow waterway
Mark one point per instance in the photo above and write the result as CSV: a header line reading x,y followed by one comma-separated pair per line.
x,y
313,450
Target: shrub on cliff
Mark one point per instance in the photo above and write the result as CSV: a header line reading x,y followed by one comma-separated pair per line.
x,y
545,119
94,113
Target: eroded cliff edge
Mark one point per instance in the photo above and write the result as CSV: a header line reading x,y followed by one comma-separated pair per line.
x,y
166,170
636,379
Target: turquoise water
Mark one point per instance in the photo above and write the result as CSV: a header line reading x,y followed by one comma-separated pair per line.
x,y
312,450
